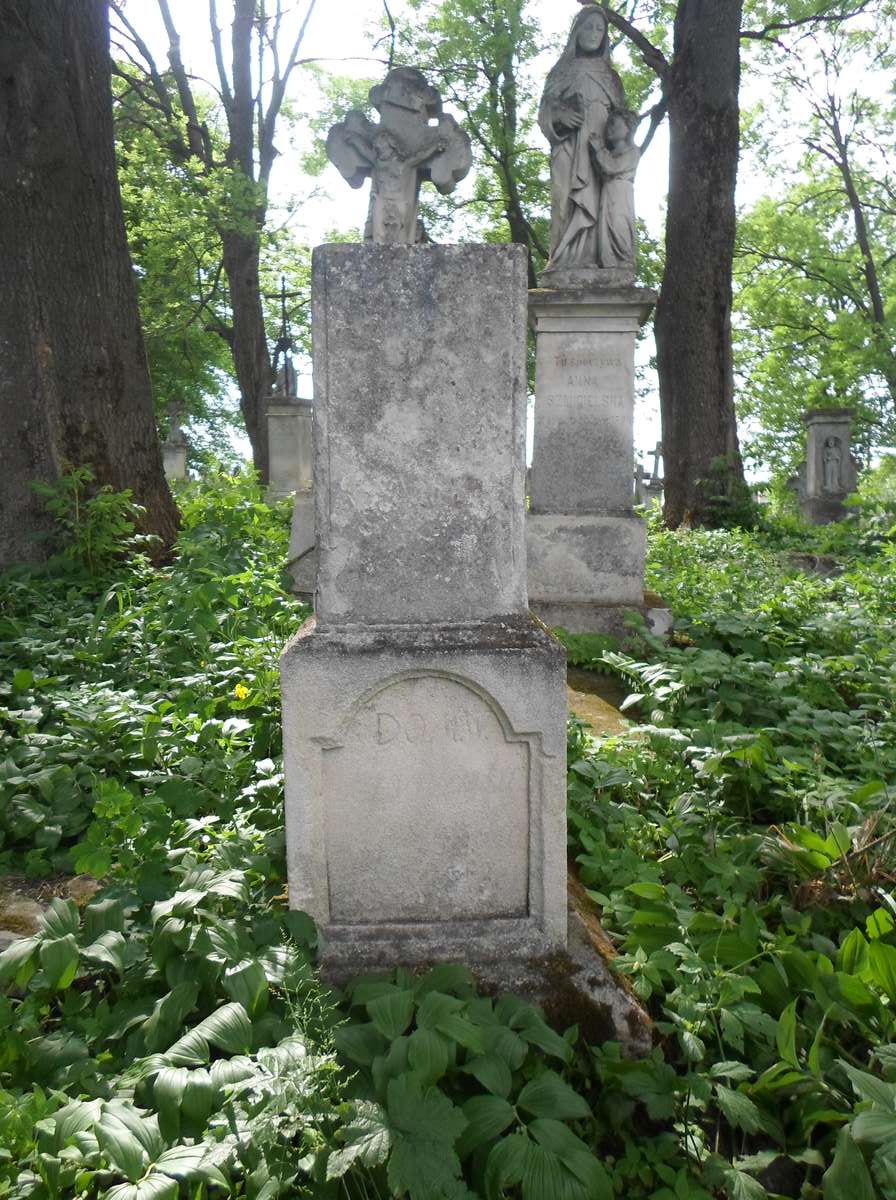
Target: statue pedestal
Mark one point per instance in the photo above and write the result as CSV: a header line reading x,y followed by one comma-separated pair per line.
x,y
585,544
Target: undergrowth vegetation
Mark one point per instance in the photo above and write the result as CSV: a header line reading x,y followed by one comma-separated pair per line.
x,y
171,1038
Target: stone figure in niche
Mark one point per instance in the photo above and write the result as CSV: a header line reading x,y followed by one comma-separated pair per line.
x,y
832,457
581,93
414,142
618,161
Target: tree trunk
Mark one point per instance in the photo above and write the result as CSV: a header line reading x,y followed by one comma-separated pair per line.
x,y
74,383
251,358
693,320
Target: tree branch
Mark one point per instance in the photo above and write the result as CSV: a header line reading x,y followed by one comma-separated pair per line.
x,y
652,55
768,31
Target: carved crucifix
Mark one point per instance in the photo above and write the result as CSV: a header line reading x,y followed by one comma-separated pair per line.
x,y
415,141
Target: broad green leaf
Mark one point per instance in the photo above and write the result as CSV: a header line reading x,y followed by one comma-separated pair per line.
x,y
880,924
575,1156
168,1092
853,953
786,1035
198,1098
154,1187
505,1165
648,891
228,1028
741,1186
19,961
190,1162
882,964
428,1055
536,1032
848,1177
103,916
425,1126
871,1087
360,1043
392,1014
121,1148
487,1117
550,1096
247,984
435,1008
876,1127
60,959
503,1043
545,1177
492,1072
61,919
109,949
169,1015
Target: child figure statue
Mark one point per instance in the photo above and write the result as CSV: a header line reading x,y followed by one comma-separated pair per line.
x,y
617,161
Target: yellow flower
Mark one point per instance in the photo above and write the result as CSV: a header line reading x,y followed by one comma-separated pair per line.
x,y
241,691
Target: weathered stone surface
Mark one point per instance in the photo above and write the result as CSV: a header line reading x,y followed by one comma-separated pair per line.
x,y
174,459
420,381
585,559
290,447
401,152
830,473
424,711
583,115
586,547
425,790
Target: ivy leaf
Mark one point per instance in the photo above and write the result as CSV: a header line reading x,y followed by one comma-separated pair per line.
x,y
368,1141
549,1096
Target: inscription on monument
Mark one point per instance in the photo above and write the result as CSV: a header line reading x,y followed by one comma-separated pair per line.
x,y
427,754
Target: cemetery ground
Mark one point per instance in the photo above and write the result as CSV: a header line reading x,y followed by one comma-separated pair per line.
x,y
169,1036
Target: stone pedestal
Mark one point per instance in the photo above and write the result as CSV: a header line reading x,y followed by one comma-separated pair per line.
x,y
424,712
586,546
174,459
289,446
830,473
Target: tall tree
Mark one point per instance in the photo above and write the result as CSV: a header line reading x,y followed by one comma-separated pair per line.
x,y
252,87
815,303
74,385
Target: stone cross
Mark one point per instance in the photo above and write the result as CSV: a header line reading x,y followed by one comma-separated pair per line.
x,y
657,455
400,153
640,484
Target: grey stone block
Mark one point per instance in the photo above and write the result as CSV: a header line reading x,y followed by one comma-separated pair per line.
x,y
420,402
425,790
585,560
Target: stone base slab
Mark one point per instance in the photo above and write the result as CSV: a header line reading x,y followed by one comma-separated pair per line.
x,y
591,560
609,619
426,790
823,510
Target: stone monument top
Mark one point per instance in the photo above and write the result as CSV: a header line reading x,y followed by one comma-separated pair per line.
x,y
585,117
405,149
830,473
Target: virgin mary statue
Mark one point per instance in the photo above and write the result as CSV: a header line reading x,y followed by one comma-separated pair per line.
x,y
579,95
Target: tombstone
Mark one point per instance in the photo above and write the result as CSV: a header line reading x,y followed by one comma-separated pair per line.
x,y
586,545
424,711
830,473
289,422
175,447
641,478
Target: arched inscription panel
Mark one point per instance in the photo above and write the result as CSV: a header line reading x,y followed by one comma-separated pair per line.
x,y
427,815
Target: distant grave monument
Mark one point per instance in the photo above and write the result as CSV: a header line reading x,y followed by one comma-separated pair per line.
x,y
586,545
424,711
830,473
174,448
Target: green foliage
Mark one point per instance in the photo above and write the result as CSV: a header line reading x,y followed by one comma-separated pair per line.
x,y
171,1039
94,525
740,844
